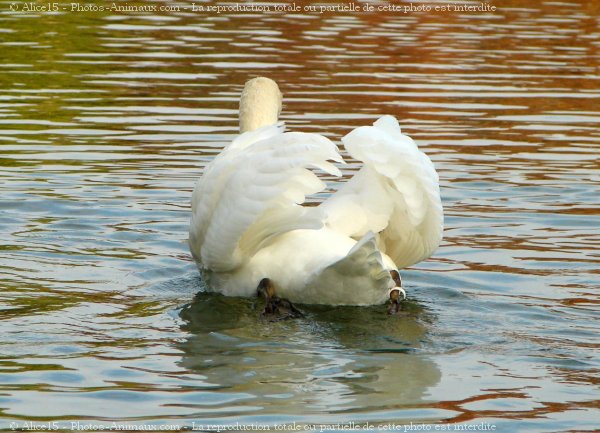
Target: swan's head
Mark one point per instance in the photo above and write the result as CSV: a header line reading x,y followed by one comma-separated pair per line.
x,y
265,289
260,104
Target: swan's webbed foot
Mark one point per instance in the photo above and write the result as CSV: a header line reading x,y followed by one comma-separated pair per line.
x,y
397,294
276,308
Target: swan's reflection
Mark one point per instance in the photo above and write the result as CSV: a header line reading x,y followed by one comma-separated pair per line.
x,y
336,359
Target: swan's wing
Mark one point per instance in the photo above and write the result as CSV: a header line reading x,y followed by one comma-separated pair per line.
x,y
359,278
253,190
395,194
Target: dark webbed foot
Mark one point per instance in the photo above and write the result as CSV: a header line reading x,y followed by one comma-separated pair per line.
x,y
276,308
397,294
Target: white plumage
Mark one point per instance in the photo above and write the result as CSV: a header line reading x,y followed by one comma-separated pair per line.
x,y
249,222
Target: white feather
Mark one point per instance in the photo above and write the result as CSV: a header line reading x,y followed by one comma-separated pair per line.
x,y
396,191
250,184
249,222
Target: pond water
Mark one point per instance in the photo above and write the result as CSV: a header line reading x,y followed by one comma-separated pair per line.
x,y
106,120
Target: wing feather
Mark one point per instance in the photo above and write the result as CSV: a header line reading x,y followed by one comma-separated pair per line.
x,y
253,190
395,194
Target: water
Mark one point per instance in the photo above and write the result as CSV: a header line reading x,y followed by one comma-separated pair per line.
x,y
106,120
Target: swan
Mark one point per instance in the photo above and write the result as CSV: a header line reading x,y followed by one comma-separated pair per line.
x,y
251,228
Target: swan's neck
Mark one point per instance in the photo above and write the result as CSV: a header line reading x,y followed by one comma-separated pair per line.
x,y
260,104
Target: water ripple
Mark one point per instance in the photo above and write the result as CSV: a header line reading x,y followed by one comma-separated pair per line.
x,y
104,134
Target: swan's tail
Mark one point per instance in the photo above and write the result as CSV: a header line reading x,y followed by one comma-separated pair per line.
x,y
360,278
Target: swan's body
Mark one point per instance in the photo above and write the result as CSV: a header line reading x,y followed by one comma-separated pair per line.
x,y
248,222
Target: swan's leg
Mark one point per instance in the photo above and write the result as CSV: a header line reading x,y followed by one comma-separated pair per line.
x,y
276,308
265,289
397,293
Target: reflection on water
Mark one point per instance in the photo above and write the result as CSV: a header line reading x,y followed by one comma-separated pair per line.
x,y
334,360
102,137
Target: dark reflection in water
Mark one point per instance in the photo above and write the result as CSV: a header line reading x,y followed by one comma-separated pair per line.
x,y
106,121
334,359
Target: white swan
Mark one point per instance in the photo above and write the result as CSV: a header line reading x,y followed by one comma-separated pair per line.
x,y
248,221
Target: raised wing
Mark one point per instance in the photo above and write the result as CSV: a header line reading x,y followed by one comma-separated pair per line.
x,y
395,194
253,190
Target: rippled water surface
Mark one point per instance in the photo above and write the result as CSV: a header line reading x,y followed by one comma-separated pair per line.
x,y
106,120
